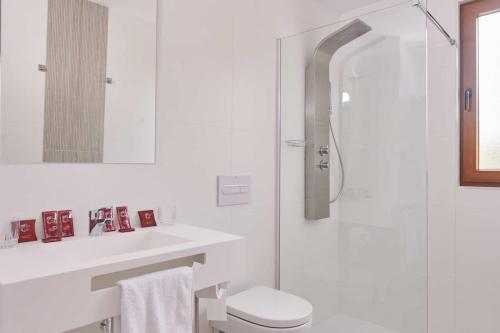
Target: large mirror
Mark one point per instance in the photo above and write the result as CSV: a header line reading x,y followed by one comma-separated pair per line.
x,y
78,81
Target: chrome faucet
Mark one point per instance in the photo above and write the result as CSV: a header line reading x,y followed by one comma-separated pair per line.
x,y
99,219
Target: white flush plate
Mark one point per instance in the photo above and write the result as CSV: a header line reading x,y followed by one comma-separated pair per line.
x,y
233,190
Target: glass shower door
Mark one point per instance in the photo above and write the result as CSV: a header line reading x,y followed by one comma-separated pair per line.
x,y
364,268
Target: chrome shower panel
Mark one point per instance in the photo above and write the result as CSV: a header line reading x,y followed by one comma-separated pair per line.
x,y
318,105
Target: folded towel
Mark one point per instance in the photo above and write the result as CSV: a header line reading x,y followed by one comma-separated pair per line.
x,y
158,303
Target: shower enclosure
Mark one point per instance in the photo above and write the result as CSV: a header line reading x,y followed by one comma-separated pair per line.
x,y
361,260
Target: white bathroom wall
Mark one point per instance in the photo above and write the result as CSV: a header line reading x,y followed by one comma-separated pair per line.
x,y
464,222
129,124
443,171
23,49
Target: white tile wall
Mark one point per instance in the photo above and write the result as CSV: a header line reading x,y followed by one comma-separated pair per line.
x,y
464,223
441,241
441,305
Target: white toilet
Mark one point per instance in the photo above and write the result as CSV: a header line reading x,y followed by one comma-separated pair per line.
x,y
265,310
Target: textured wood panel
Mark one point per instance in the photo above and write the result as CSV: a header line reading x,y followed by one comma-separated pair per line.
x,y
75,82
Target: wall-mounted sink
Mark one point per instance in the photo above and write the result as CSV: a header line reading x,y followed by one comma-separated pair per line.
x,y
125,243
85,248
72,283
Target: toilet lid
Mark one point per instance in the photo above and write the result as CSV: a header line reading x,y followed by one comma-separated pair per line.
x,y
270,307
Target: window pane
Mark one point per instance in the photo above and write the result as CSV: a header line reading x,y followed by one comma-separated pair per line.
x,y
489,91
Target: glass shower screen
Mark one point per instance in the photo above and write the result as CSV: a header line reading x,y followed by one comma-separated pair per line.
x,y
362,260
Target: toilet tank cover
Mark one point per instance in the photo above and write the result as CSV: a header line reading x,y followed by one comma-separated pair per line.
x,y
270,307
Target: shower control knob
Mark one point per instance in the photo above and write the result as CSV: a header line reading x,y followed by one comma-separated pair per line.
x,y
324,150
324,165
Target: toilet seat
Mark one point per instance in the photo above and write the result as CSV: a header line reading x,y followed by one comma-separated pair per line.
x,y
263,309
237,325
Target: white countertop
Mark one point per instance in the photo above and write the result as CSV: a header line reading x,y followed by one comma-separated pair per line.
x,y
47,278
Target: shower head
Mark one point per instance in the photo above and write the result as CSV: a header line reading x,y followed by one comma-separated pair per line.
x,y
329,45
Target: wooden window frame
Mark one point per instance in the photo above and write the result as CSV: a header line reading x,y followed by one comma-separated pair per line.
x,y
470,175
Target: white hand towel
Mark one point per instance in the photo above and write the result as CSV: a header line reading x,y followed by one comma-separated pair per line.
x,y
158,303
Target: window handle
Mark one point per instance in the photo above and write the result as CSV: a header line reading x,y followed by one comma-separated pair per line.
x,y
468,99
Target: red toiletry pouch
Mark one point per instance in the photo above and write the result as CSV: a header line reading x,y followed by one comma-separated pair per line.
x,y
66,223
27,231
108,215
123,219
147,218
51,227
